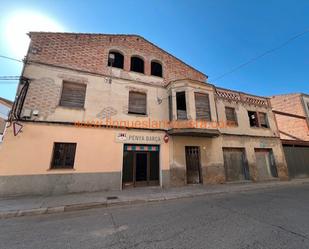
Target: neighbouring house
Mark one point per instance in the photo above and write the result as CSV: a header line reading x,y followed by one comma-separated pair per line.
x,y
5,107
292,115
104,112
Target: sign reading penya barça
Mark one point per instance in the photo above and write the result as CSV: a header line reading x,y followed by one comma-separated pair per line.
x,y
123,137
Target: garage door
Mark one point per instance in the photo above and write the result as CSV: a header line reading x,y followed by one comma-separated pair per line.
x,y
297,158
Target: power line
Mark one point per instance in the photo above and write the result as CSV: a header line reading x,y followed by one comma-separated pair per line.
x,y
10,58
262,55
9,77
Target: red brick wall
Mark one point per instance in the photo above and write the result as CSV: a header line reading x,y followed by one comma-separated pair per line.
x,y
89,52
293,126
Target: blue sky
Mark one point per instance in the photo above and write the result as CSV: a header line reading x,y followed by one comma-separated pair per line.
x,y
212,36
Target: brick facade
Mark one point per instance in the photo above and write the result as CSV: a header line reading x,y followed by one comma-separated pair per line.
x,y
89,52
292,122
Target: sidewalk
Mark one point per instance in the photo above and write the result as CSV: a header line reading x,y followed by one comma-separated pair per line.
x,y
24,206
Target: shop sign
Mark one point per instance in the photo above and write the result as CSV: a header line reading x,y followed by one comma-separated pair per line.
x,y
124,137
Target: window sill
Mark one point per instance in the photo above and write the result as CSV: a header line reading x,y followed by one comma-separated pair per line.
x,y
50,169
137,114
71,108
259,127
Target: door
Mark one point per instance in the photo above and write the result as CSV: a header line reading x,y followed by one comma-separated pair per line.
x,y
235,164
141,168
297,158
193,164
265,163
140,165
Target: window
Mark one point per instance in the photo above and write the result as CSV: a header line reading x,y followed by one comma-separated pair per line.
x,y
137,103
202,106
170,107
156,69
263,120
258,119
253,119
115,59
63,156
231,117
181,105
73,95
137,64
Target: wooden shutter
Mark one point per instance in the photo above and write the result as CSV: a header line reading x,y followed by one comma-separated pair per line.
x,y
202,106
64,155
231,117
73,95
263,119
137,102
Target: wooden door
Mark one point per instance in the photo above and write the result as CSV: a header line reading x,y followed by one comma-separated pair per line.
x,y
235,164
265,164
193,164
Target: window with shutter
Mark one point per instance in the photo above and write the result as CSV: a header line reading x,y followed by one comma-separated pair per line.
x,y
263,119
231,117
137,103
202,106
63,156
73,95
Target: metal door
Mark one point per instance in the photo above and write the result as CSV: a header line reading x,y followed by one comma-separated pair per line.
x,y
193,164
297,158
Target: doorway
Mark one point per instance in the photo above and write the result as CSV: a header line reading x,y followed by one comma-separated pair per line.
x,y
140,165
235,164
265,164
193,164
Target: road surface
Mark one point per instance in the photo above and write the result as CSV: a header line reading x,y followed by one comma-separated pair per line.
x,y
274,218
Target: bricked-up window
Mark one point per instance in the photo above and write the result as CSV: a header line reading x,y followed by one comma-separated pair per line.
x,y
202,106
73,95
181,105
63,156
231,117
115,59
263,120
137,64
156,69
137,103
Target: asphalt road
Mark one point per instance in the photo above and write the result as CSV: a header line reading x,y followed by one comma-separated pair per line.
x,y
274,218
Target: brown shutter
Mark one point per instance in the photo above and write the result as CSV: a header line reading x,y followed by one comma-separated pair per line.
x,y
73,95
202,106
231,117
263,119
137,102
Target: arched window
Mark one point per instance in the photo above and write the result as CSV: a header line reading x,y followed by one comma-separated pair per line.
x,y
156,69
115,59
137,64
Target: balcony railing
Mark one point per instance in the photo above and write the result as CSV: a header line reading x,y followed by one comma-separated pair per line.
x,y
242,97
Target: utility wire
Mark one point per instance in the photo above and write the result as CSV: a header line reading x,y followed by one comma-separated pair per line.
x,y
262,55
10,58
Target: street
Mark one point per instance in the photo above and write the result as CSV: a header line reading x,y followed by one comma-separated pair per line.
x,y
274,218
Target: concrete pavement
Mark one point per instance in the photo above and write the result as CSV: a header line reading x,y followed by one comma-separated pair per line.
x,y
25,206
274,217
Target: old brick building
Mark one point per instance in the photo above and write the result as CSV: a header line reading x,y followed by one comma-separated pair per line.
x,y
115,111
292,116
